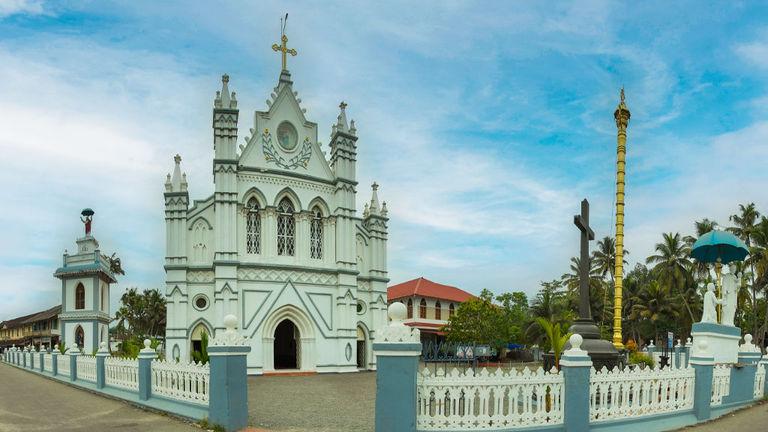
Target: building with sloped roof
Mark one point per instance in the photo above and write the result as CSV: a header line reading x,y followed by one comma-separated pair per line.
x,y
429,304
39,328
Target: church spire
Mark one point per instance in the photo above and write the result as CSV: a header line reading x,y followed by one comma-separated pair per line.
x,y
341,120
177,182
374,207
224,99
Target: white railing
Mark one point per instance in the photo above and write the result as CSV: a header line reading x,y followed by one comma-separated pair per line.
x,y
86,368
721,382
619,394
48,362
121,373
759,381
187,382
62,364
488,399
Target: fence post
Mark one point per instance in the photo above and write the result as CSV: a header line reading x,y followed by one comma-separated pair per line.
x,y
146,355
678,351
73,353
688,348
42,358
101,356
703,364
31,356
397,350
24,356
742,384
55,359
228,396
764,364
576,366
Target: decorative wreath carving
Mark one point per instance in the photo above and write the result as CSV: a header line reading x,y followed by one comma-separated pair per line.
x,y
272,155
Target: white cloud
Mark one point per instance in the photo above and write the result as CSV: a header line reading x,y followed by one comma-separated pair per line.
x,y
15,7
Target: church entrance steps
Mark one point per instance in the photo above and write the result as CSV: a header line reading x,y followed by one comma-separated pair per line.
x,y
289,372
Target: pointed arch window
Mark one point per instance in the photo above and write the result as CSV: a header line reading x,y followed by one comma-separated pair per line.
x,y
80,296
316,234
253,227
423,309
286,228
438,311
451,310
410,308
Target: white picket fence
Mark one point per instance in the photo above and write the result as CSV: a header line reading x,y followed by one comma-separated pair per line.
x,y
493,399
62,364
188,382
48,362
121,373
619,394
759,382
86,368
721,382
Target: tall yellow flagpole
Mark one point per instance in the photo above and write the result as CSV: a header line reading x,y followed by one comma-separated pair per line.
x,y
622,120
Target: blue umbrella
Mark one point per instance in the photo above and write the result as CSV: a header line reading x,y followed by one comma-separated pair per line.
x,y
720,245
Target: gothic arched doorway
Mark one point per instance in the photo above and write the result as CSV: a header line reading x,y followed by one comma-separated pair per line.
x,y
79,337
286,352
361,348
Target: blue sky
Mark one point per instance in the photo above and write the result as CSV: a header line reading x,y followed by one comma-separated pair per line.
x,y
484,123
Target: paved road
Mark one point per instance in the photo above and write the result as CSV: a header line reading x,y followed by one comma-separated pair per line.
x,y
32,403
316,403
749,419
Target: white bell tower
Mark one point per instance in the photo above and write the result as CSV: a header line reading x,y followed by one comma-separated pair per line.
x,y
85,279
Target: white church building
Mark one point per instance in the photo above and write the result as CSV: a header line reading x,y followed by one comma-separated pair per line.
x,y
280,243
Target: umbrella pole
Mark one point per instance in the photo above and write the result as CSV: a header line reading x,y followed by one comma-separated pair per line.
x,y
719,288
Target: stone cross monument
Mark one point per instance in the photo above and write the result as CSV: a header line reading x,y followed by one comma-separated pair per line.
x,y
602,352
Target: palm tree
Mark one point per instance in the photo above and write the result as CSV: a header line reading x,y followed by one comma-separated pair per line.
x,y
672,264
654,304
555,336
550,304
572,284
744,226
758,255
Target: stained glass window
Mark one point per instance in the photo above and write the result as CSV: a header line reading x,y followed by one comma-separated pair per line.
x,y
80,296
253,228
286,228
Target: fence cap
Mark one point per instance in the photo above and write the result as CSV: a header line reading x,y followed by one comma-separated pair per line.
x,y
396,331
230,336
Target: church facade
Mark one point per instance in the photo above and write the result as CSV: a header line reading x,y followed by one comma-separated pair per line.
x,y
279,244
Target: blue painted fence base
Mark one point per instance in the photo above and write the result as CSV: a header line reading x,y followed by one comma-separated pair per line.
x,y
396,370
229,390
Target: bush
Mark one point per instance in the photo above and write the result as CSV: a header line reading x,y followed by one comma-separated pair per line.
x,y
639,358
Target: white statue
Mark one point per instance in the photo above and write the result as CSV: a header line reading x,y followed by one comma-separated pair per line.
x,y
730,294
710,304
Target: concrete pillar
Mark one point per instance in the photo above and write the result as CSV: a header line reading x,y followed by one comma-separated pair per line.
x,y
24,357
576,365
764,364
146,355
742,383
55,360
678,352
73,353
228,398
397,352
688,349
31,355
703,364
42,360
101,356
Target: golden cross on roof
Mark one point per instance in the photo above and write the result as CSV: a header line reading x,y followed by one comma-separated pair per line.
x,y
284,47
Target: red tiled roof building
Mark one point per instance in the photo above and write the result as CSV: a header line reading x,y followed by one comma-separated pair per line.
x,y
429,304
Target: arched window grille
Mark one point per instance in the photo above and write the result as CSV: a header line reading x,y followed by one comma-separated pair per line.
x,y
80,296
286,228
438,312
423,309
450,310
316,234
410,308
253,228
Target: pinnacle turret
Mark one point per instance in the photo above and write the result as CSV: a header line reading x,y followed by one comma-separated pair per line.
x,y
178,181
225,99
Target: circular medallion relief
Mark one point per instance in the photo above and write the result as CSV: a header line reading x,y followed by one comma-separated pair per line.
x,y
287,136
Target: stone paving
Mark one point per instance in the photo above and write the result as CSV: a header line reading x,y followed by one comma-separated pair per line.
x,y
29,402
317,403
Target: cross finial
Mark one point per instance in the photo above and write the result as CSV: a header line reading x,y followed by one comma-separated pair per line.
x,y
283,49
177,159
375,186
343,105
622,94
